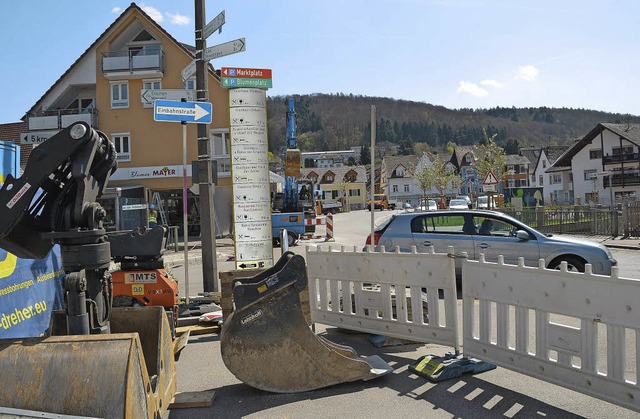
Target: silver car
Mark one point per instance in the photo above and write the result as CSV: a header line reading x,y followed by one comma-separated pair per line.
x,y
491,233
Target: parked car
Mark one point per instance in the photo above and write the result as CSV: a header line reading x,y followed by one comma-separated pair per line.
x,y
492,233
428,205
466,199
458,204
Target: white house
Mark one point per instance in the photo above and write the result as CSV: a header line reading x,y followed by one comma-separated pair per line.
x,y
602,166
552,182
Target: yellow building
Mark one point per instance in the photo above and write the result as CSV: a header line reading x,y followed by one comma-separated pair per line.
x,y
330,181
110,86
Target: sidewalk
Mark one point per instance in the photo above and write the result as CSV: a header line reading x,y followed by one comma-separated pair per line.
x,y
224,250
631,243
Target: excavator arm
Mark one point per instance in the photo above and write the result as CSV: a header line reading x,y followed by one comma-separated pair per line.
x,y
92,364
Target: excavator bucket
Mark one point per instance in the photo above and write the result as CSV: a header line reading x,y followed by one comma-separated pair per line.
x,y
266,343
127,374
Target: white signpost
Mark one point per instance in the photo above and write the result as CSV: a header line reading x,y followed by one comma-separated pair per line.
x,y
221,50
148,96
189,70
251,188
215,24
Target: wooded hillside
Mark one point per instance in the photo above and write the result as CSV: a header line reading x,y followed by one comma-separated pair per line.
x,y
339,121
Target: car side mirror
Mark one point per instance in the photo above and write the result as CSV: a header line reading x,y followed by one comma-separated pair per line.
x,y
522,235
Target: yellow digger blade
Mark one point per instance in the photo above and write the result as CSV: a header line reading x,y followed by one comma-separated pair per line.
x,y
120,375
267,344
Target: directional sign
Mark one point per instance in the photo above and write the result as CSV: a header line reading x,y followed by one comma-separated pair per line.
x,y
148,96
174,111
215,24
36,137
189,70
227,48
250,73
490,179
230,82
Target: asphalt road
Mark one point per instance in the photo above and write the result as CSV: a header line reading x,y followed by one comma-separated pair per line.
x,y
497,393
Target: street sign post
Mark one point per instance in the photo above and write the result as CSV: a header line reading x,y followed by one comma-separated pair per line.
x,y
233,77
257,73
183,112
148,96
189,112
215,24
221,50
490,179
231,82
189,70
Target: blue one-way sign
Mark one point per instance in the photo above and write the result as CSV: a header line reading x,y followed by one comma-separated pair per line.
x,y
176,111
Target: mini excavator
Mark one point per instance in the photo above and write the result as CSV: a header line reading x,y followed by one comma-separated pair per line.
x,y
97,361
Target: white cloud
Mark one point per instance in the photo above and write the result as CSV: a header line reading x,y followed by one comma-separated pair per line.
x,y
491,83
178,19
116,10
527,73
471,89
153,13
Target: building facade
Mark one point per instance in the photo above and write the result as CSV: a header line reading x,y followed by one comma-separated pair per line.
x,y
604,166
111,87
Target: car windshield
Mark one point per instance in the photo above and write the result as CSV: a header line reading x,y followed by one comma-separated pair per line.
x,y
457,202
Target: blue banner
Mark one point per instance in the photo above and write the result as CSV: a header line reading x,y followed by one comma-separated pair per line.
x,y
29,290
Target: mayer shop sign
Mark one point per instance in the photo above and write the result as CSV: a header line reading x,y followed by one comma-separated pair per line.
x,y
149,172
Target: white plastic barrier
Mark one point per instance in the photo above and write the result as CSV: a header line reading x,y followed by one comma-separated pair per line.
x,y
581,331
356,290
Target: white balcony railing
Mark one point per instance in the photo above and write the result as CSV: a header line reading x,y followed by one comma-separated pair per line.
x,y
131,62
58,119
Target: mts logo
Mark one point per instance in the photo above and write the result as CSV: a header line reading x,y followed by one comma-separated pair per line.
x,y
149,277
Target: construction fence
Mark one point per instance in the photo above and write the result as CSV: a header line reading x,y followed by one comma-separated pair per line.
x,y
577,330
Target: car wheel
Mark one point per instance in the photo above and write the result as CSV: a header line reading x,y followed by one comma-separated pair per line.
x,y
574,264
291,238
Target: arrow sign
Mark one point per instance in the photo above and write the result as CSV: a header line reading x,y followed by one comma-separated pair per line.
x,y
258,73
227,48
148,96
36,137
189,70
174,111
215,24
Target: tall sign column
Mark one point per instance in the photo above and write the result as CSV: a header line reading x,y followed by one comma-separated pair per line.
x,y
204,163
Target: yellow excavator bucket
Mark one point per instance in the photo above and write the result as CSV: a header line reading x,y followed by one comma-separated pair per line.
x,y
266,343
127,374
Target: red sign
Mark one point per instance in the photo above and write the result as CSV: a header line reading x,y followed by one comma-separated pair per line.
x,y
246,73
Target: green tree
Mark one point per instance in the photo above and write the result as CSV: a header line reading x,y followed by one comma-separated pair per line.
x,y
365,155
490,157
451,146
512,147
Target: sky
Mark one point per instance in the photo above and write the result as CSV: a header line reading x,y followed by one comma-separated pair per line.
x,y
453,53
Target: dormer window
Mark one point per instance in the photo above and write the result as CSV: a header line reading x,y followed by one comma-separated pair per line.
x,y
400,171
